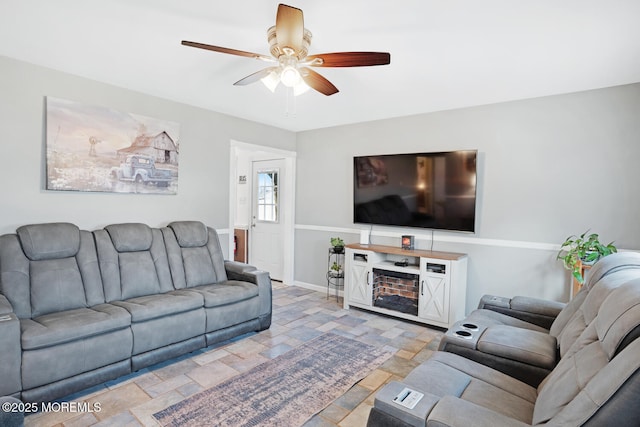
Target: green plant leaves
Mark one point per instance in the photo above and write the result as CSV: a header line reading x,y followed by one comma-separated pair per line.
x,y
583,249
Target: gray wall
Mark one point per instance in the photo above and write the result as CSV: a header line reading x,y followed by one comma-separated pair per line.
x,y
548,167
203,192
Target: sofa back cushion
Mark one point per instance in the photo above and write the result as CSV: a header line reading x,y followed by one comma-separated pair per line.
x,y
56,285
195,255
592,352
130,237
133,261
49,241
48,268
607,274
190,234
591,306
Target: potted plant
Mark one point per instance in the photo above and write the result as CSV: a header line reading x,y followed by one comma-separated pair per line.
x,y
338,245
583,249
336,270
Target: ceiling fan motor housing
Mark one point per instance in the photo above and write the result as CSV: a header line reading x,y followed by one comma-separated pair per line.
x,y
277,51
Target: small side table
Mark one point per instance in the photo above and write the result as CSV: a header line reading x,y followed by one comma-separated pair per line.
x,y
335,279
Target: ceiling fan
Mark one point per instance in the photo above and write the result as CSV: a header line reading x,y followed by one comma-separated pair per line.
x,y
289,44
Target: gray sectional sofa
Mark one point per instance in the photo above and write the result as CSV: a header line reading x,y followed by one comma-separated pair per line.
x,y
488,375
78,308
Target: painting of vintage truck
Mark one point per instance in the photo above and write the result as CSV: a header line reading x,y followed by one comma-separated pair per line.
x,y
92,148
141,170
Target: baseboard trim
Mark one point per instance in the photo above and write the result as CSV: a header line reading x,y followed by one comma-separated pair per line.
x,y
318,288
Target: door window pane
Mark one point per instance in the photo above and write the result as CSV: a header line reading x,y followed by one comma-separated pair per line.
x,y
268,196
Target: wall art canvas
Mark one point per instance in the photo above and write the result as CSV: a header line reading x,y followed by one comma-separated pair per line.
x,y
93,148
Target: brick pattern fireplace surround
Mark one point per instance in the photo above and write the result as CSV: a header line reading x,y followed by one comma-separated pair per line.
x,y
396,291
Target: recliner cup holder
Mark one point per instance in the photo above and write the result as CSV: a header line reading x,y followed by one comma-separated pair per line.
x,y
470,326
464,334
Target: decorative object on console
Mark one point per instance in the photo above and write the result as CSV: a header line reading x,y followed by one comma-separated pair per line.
x,y
289,44
577,251
408,242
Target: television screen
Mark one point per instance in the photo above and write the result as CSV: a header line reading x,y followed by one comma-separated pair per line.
x,y
427,190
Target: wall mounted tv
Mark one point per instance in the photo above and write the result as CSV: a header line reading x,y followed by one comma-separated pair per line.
x,y
428,190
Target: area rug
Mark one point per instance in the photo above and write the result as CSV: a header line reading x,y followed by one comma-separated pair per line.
x,y
285,391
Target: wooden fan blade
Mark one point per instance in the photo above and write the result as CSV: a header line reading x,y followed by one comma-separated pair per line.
x,y
350,59
289,27
226,50
252,78
317,82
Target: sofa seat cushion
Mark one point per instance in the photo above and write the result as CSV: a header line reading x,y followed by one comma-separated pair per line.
x,y
524,345
151,307
71,325
228,292
476,383
479,372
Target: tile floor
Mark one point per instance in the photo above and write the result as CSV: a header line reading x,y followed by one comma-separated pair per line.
x,y
298,316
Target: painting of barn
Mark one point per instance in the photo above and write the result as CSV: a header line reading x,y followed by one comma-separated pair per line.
x,y
95,148
161,147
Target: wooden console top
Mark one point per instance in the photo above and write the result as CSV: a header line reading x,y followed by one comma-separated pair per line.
x,y
452,256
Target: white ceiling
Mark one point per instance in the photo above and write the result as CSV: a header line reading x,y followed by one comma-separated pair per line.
x,y
444,54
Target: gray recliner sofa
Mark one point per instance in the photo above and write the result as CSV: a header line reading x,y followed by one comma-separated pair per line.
x,y
596,383
78,308
505,334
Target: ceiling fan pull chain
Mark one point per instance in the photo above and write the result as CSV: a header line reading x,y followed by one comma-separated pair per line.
x,y
290,110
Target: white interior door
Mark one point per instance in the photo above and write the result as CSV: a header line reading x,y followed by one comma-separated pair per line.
x,y
267,223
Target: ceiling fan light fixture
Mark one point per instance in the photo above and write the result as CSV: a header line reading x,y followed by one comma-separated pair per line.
x,y
290,76
300,88
271,81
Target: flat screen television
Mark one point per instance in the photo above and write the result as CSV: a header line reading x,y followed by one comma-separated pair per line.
x,y
427,190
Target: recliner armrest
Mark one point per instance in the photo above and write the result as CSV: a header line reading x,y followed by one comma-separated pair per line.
x,y
237,267
490,301
538,311
537,305
10,357
455,412
5,306
11,418
248,273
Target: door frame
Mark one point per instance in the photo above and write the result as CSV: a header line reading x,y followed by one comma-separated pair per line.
x,y
260,152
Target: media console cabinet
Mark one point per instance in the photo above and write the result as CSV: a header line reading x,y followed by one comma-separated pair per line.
x,y
424,286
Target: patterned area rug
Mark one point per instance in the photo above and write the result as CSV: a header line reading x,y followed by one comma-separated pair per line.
x,y
285,391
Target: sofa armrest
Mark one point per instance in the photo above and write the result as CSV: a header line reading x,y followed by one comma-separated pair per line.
x,y
237,267
10,356
533,310
248,273
5,306
537,305
452,411
11,418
